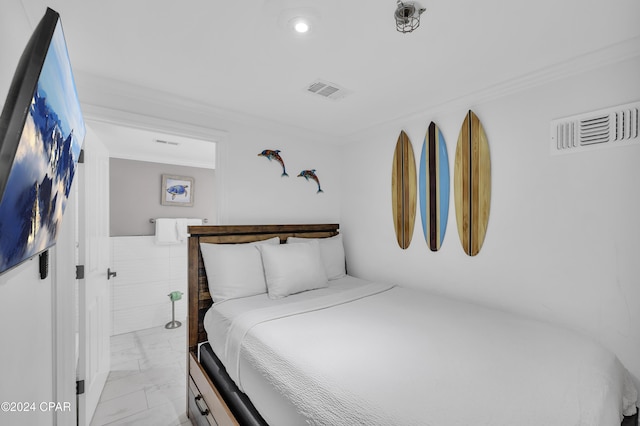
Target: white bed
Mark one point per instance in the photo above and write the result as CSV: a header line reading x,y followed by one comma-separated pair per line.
x,y
308,344
368,353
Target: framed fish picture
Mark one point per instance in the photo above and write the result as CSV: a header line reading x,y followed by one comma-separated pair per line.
x,y
177,191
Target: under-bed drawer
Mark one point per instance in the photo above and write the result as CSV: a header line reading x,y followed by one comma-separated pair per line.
x,y
199,412
202,386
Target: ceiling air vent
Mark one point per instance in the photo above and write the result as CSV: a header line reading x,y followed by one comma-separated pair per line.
x,y
599,129
167,142
327,90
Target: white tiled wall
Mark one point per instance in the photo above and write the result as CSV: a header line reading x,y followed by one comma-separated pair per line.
x,y
147,273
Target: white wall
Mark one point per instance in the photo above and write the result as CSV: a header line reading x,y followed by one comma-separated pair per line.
x,y
257,194
249,188
562,241
26,354
147,273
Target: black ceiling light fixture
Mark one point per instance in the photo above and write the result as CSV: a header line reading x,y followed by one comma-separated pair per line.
x,y
407,16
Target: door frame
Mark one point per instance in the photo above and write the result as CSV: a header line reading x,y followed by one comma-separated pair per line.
x,y
143,122
65,311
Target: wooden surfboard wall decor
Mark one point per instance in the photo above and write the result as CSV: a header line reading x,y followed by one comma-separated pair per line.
x,y
472,184
403,190
434,187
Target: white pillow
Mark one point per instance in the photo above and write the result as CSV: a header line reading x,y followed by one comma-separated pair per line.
x,y
332,253
292,268
234,270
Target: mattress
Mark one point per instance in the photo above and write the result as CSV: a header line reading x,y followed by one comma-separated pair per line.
x,y
368,353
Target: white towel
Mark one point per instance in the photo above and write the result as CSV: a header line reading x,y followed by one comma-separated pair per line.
x,y
166,231
182,227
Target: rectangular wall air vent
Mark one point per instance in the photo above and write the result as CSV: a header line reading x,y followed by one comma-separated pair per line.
x,y
327,90
599,129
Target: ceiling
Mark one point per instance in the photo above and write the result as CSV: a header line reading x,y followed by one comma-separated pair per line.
x,y
241,57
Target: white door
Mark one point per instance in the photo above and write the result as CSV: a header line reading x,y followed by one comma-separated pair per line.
x,y
65,311
93,291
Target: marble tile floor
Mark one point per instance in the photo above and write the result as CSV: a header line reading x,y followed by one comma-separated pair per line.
x,y
147,382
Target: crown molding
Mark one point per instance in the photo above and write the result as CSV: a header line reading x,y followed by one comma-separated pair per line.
x,y
121,101
146,122
606,56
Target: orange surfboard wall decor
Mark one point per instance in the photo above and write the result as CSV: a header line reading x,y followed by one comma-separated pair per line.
x,y
404,190
472,184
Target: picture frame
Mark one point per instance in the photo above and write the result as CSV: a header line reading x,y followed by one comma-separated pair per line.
x,y
177,191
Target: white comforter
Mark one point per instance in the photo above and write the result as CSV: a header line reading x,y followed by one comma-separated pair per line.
x,y
370,354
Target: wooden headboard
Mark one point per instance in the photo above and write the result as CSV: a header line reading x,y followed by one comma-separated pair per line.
x,y
199,297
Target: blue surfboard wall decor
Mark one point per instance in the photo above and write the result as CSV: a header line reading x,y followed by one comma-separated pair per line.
x,y
434,187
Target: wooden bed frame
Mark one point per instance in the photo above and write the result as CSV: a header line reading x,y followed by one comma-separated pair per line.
x,y
199,299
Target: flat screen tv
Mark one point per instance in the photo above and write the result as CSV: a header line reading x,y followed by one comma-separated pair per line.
x,y
41,133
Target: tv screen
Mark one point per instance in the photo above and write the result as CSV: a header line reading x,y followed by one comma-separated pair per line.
x,y
41,133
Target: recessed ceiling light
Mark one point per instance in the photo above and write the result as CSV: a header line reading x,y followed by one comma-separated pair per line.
x,y
301,27
299,20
